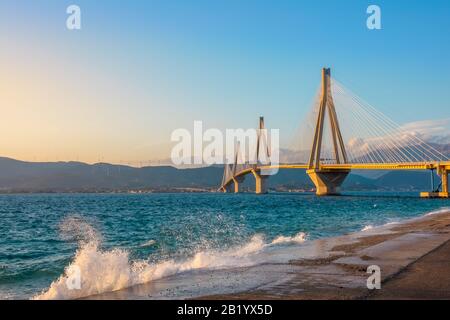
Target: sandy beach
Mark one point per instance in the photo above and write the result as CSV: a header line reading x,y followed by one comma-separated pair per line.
x,y
414,258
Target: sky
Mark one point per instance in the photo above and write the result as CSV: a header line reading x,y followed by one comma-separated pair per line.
x,y
137,70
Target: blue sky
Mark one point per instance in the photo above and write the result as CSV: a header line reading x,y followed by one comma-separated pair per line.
x,y
139,69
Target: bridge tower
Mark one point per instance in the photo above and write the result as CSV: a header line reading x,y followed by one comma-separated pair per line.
x,y
327,181
234,174
230,172
237,181
226,173
260,179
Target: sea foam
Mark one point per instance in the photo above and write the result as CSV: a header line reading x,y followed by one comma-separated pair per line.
x,y
110,270
441,210
367,228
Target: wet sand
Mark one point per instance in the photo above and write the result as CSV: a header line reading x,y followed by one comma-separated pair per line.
x,y
414,258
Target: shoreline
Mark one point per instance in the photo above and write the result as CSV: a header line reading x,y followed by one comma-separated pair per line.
x,y
413,256
212,190
328,268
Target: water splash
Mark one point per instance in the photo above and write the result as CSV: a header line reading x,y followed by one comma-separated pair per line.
x,y
367,228
110,270
298,238
76,228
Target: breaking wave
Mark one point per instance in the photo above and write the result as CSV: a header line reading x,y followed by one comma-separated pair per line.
x,y
438,211
441,210
149,243
100,271
299,238
367,228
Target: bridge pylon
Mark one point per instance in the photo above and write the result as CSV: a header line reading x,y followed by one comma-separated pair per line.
x,y
234,174
260,179
327,181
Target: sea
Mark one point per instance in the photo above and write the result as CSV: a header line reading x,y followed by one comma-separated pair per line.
x,y
110,242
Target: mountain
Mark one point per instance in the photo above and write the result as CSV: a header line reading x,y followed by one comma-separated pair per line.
x,y
20,176
407,181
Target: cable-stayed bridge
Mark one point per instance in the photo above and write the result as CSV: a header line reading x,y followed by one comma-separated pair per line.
x,y
342,133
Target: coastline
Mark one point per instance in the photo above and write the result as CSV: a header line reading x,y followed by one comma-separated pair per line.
x,y
413,255
328,268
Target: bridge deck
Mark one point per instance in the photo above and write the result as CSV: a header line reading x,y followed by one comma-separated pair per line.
x,y
366,166
432,165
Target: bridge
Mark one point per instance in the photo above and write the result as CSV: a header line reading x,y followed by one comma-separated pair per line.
x,y
367,140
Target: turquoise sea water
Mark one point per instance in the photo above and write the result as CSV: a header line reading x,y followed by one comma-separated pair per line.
x,y
124,239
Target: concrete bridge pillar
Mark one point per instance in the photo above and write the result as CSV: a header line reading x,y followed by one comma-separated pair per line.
x,y
444,179
237,181
327,182
443,172
260,182
229,188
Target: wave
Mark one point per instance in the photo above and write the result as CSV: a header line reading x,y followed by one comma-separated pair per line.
x,y
103,271
298,238
438,211
367,228
98,271
441,210
148,243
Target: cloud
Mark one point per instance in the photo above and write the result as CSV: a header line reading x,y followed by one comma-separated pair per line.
x,y
437,131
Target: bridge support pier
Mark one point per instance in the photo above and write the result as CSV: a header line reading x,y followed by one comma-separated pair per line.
x,y
236,182
327,182
260,182
444,176
228,188
443,172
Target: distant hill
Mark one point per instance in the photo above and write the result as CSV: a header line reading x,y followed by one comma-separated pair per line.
x,y
407,180
20,176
